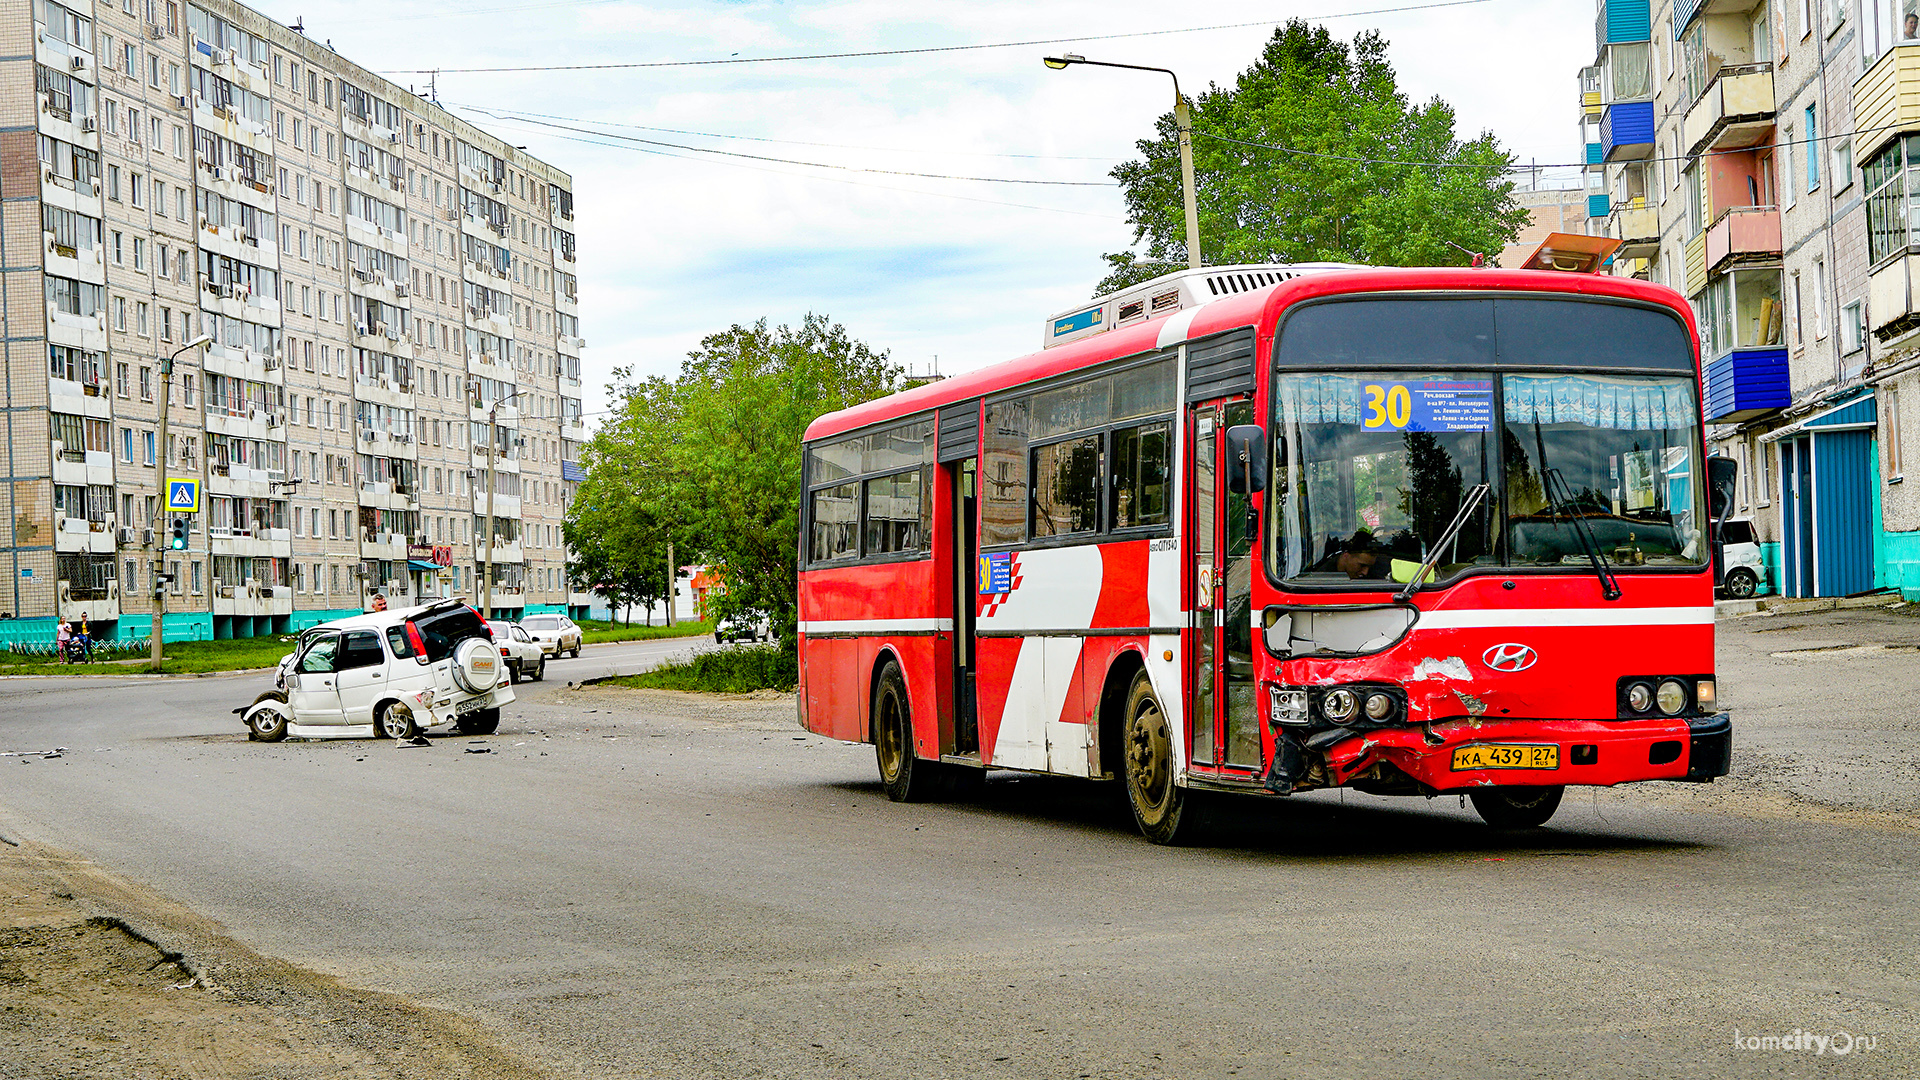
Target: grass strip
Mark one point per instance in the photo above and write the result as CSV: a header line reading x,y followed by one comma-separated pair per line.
x,y
723,671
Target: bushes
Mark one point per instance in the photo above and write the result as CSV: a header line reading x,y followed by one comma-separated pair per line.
x,y
724,671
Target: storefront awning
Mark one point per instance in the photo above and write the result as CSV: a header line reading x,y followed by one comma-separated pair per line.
x,y
422,564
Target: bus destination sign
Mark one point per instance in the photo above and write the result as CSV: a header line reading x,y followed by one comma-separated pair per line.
x,y
1437,405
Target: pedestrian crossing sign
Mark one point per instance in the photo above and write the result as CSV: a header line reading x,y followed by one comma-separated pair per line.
x,y
183,496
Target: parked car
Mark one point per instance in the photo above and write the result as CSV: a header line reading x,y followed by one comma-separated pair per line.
x,y
389,674
742,627
1745,574
556,633
523,655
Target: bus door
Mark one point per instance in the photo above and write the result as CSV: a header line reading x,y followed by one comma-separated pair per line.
x,y
966,588
1224,723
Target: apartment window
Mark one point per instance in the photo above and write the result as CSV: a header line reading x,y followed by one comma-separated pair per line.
x,y
140,317
119,248
1890,412
146,384
1799,312
280,124
1813,149
147,447
120,384
296,132
1853,328
133,124
196,577
1784,155
1843,165
1819,299
166,324
120,313
140,254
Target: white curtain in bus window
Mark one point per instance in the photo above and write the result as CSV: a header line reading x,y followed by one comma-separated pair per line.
x,y
1140,468
894,510
1003,474
1614,452
835,514
1066,487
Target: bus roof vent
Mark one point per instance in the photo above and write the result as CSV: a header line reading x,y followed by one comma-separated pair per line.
x,y
1169,293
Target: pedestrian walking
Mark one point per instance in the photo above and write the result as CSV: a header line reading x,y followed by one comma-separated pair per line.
x,y
60,639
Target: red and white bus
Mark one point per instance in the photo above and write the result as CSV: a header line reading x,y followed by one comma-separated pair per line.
x,y
1273,529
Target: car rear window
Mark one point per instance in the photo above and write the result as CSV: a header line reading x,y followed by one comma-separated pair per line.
x,y
442,631
1738,532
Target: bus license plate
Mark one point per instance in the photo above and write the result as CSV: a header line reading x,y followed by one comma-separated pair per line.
x,y
1495,756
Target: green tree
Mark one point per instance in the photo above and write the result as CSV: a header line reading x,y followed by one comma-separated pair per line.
x,y
1338,192
712,458
614,531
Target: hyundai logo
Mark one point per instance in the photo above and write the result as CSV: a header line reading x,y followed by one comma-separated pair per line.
x,y
1510,657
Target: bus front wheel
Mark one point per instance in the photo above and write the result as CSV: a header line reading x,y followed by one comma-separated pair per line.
x,y
1516,807
1163,811
906,778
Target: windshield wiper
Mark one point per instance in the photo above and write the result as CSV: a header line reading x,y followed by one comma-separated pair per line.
x,y
1433,557
1558,502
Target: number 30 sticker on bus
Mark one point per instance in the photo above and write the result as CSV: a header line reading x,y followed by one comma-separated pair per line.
x,y
1261,530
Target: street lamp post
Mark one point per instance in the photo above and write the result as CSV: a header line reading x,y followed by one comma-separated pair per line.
x,y
1183,124
493,448
159,588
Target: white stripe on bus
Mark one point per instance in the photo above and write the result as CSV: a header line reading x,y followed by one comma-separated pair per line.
x,y
1526,618
875,626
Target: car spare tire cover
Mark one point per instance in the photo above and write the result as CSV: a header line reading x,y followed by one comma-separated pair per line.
x,y
476,665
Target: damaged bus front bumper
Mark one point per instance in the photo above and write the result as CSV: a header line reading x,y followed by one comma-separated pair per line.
x,y
1468,753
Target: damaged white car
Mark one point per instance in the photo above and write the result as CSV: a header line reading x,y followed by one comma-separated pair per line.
x,y
389,674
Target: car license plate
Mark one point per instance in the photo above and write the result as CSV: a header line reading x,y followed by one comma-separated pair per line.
x,y
476,704
1498,756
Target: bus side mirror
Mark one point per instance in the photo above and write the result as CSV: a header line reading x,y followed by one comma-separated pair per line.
x,y
1246,459
1722,472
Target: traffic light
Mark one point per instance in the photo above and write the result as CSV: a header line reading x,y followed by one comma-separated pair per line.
x,y
179,542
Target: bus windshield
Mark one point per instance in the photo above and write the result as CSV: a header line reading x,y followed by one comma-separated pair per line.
x,y
1370,470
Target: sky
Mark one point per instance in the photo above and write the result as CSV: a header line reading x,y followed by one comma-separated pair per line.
x,y
676,244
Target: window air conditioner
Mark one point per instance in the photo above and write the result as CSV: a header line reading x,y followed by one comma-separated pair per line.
x,y
78,63
89,124
126,536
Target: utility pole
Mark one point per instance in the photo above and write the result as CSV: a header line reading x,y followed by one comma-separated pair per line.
x,y
1182,122
153,547
493,448
673,573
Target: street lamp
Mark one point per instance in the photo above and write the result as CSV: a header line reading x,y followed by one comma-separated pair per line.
x,y
159,587
1182,122
493,448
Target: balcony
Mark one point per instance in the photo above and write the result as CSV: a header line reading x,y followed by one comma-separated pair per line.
x,y
1735,112
1886,100
1637,227
1743,234
1598,206
1626,131
1595,155
1747,383
1622,20
1891,299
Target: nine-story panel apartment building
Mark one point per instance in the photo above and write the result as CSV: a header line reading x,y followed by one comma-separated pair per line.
x,y
393,302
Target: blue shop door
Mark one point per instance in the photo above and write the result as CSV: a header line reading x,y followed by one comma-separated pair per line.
x,y
1843,479
1796,518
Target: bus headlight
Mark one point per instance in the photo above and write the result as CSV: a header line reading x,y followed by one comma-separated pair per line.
x,y
1640,697
1340,705
1671,697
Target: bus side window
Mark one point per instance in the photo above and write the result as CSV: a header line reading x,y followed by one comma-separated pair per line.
x,y
1140,470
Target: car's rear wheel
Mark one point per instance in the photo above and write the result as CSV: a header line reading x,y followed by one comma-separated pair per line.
x,y
396,722
540,670
1517,807
481,722
576,650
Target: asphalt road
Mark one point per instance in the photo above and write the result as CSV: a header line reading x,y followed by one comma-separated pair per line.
x,y
636,884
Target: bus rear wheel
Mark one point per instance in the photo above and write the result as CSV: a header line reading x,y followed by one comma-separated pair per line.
x,y
1517,807
1163,811
906,777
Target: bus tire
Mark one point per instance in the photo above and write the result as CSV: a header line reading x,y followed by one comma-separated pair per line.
x,y
1162,810
906,778
1517,807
